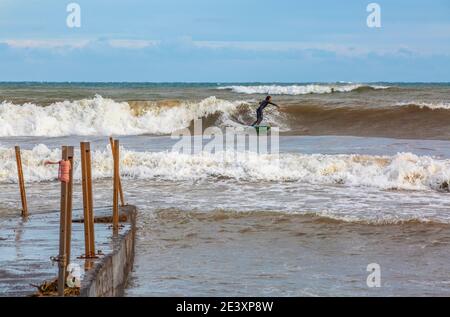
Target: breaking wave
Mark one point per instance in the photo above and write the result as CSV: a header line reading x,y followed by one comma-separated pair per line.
x,y
398,120
102,116
301,89
427,105
273,218
404,171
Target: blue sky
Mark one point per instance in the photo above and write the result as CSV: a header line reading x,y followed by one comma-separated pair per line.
x,y
225,40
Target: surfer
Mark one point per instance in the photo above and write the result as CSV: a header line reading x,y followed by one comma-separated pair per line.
x,y
259,111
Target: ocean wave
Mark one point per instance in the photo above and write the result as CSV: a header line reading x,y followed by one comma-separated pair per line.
x,y
300,89
275,217
422,105
404,171
102,116
389,120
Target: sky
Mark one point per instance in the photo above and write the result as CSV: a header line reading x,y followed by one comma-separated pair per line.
x,y
225,41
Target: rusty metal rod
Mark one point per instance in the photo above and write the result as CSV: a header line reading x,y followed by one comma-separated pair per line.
x,y
116,157
70,154
90,200
122,200
86,213
62,258
23,195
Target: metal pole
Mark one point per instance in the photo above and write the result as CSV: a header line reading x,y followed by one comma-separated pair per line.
x,y
90,200
23,195
84,180
70,154
62,263
116,186
122,200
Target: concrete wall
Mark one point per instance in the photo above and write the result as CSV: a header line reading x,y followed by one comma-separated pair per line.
x,y
109,274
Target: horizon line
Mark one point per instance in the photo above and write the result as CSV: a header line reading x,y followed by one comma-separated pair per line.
x,y
221,82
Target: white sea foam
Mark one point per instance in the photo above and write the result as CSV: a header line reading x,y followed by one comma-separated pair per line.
x,y
421,104
401,171
102,116
298,89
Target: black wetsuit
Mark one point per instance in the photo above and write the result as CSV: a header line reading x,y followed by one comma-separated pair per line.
x,y
259,111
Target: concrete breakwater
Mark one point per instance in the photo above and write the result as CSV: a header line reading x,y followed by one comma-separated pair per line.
x,y
109,274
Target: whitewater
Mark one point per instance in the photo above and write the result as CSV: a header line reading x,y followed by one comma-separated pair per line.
x,y
104,116
298,89
99,116
403,171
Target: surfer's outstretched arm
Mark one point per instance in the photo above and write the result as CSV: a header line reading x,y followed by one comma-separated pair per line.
x,y
273,104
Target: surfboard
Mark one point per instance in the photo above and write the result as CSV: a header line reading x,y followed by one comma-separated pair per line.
x,y
261,128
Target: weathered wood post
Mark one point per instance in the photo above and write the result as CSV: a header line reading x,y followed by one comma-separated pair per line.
x,y
62,257
122,200
21,182
89,241
116,157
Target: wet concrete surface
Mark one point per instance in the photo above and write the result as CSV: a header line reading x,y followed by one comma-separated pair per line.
x,y
27,245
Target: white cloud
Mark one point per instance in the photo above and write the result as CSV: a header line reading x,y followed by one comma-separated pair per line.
x,y
346,50
77,43
133,44
349,50
46,43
